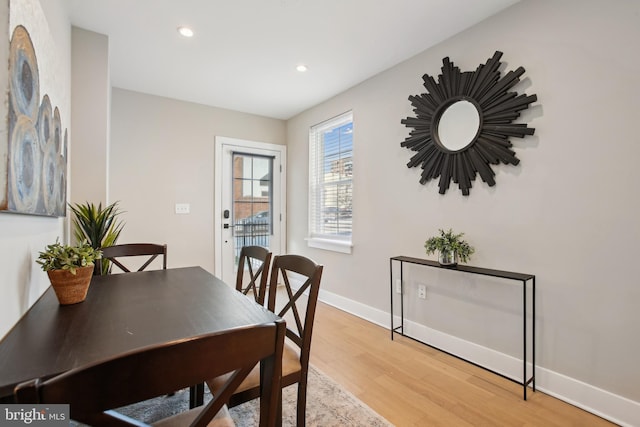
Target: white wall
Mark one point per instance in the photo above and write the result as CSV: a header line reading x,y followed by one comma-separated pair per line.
x,y
162,153
22,236
568,213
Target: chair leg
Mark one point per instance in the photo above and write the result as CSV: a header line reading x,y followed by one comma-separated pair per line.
x,y
279,410
302,403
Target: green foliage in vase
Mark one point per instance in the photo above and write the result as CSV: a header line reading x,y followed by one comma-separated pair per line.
x,y
448,241
100,227
67,257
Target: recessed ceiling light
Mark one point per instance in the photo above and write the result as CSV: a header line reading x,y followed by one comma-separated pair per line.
x,y
185,31
302,68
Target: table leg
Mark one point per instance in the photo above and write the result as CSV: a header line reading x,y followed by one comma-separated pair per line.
x,y
196,395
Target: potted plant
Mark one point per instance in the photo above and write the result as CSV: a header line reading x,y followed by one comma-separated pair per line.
x,y
69,269
100,227
450,247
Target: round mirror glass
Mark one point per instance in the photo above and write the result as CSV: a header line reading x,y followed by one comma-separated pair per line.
x,y
458,125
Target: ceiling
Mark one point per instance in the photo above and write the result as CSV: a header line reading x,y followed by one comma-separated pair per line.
x,y
244,53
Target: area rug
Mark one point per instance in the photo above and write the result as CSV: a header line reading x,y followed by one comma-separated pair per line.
x,y
328,405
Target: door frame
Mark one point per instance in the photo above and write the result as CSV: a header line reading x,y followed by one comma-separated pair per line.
x,y
245,146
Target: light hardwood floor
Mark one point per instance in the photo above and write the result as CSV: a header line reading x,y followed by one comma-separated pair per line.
x,y
411,384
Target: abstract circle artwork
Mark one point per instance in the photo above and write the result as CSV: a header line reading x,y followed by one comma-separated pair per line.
x,y
36,168
24,76
45,121
25,161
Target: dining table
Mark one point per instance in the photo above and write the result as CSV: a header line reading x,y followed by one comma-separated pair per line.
x,y
122,312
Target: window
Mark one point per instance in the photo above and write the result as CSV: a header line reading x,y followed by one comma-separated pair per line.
x,y
331,184
252,201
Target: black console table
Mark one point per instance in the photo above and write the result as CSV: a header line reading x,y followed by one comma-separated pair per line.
x,y
523,278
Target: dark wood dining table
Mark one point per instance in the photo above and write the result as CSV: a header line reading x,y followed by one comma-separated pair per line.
x,y
122,312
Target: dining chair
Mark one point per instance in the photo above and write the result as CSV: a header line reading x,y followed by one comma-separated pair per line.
x,y
300,276
94,391
255,260
149,252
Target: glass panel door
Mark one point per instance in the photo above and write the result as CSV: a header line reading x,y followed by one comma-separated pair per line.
x,y
249,199
252,201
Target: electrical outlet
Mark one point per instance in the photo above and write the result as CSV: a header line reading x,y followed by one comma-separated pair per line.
x,y
182,208
422,291
398,286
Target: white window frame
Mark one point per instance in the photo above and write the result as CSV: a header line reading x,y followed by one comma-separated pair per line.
x,y
316,239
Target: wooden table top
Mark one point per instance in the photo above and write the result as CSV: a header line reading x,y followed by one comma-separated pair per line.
x,y
122,312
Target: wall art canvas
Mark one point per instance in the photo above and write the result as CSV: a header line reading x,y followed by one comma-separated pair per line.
x,y
34,169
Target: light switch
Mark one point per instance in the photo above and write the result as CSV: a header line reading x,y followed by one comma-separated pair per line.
x,y
182,208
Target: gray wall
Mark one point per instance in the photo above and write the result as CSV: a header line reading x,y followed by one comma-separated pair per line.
x,y
162,154
568,213
90,107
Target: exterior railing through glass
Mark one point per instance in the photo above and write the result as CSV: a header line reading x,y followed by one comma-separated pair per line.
x,y
255,233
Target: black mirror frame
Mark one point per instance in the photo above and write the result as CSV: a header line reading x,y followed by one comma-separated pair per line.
x,y
497,107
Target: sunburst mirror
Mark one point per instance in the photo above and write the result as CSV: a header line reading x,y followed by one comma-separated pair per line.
x,y
463,124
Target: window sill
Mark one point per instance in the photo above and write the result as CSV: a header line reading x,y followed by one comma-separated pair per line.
x,y
330,245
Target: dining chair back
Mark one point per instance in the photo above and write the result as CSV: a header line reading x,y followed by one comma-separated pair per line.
x,y
94,391
253,271
146,252
295,301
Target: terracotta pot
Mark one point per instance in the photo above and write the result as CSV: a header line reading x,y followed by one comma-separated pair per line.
x,y
71,288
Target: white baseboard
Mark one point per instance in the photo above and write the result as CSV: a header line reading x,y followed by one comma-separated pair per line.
x,y
602,403
607,405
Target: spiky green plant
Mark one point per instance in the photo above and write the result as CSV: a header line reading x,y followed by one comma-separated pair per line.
x,y
100,227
